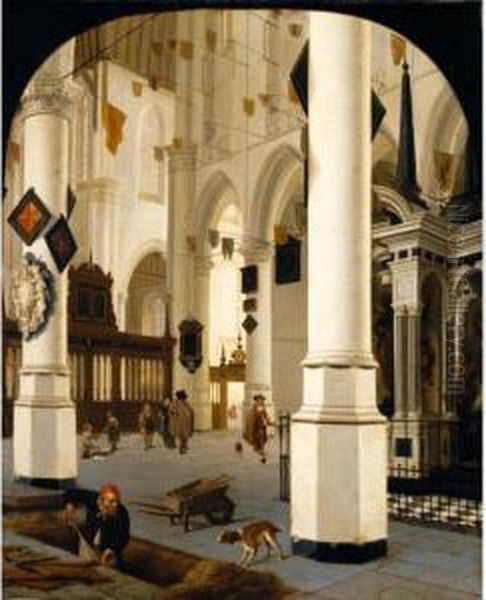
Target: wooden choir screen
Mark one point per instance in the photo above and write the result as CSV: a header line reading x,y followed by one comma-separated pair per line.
x,y
110,370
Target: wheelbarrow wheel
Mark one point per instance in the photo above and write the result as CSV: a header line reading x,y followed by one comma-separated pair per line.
x,y
222,514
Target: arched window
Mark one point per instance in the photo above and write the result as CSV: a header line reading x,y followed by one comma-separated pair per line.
x,y
150,157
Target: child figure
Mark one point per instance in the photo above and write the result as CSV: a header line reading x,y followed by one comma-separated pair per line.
x,y
113,431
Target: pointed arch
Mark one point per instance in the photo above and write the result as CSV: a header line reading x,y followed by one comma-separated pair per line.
x,y
279,178
217,194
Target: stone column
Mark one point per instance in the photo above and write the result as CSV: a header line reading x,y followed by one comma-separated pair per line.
x,y
399,360
338,437
201,400
100,196
180,281
44,440
414,404
258,374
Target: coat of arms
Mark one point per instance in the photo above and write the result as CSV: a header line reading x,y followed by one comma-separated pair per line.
x,y
32,296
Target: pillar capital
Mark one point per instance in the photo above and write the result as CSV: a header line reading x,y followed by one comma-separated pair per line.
x,y
46,100
256,251
182,158
101,189
407,309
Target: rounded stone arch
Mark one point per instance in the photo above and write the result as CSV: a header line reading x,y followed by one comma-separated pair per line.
x,y
152,246
146,296
277,182
393,202
217,194
447,131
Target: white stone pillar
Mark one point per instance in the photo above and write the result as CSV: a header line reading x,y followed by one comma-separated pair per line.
x,y
44,440
100,197
258,373
406,427
201,400
338,438
180,280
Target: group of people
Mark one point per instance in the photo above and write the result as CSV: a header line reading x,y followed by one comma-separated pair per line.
x,y
173,421
106,529
91,446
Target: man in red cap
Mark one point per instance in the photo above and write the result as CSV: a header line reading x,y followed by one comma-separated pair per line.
x,y
107,527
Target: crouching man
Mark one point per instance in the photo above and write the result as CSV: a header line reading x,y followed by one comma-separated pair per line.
x,y
106,532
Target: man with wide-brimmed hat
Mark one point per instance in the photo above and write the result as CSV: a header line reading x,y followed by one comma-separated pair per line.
x,y
257,422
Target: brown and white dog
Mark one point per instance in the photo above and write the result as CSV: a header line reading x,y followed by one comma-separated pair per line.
x,y
251,537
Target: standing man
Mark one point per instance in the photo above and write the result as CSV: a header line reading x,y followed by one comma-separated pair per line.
x,y
147,424
182,415
257,422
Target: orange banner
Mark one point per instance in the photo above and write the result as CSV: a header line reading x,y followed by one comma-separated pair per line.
x,y
113,121
398,48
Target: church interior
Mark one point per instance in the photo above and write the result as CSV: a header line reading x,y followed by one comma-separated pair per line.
x,y
238,203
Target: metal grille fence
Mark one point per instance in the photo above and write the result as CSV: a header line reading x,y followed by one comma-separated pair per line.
x,y
442,490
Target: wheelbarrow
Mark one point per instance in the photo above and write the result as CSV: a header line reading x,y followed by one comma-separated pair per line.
x,y
201,497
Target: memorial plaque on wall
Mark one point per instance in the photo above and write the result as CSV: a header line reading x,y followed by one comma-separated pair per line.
x,y
249,279
249,305
403,447
287,268
190,344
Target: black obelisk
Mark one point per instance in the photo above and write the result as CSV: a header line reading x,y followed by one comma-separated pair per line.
x,y
406,165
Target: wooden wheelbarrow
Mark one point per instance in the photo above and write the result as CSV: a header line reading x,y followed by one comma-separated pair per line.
x,y
203,496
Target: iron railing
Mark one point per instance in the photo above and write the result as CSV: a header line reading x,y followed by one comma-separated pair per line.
x,y
441,485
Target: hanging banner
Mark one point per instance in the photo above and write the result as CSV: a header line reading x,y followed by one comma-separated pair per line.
x,y
264,99
211,39
228,247
186,50
137,88
30,217
249,106
191,243
398,48
280,234
295,29
213,238
292,94
158,153
113,121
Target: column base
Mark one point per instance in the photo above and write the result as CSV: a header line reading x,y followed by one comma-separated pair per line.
x,y
44,442
340,553
51,484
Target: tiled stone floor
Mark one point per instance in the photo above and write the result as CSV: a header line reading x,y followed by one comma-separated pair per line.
x,y
422,563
